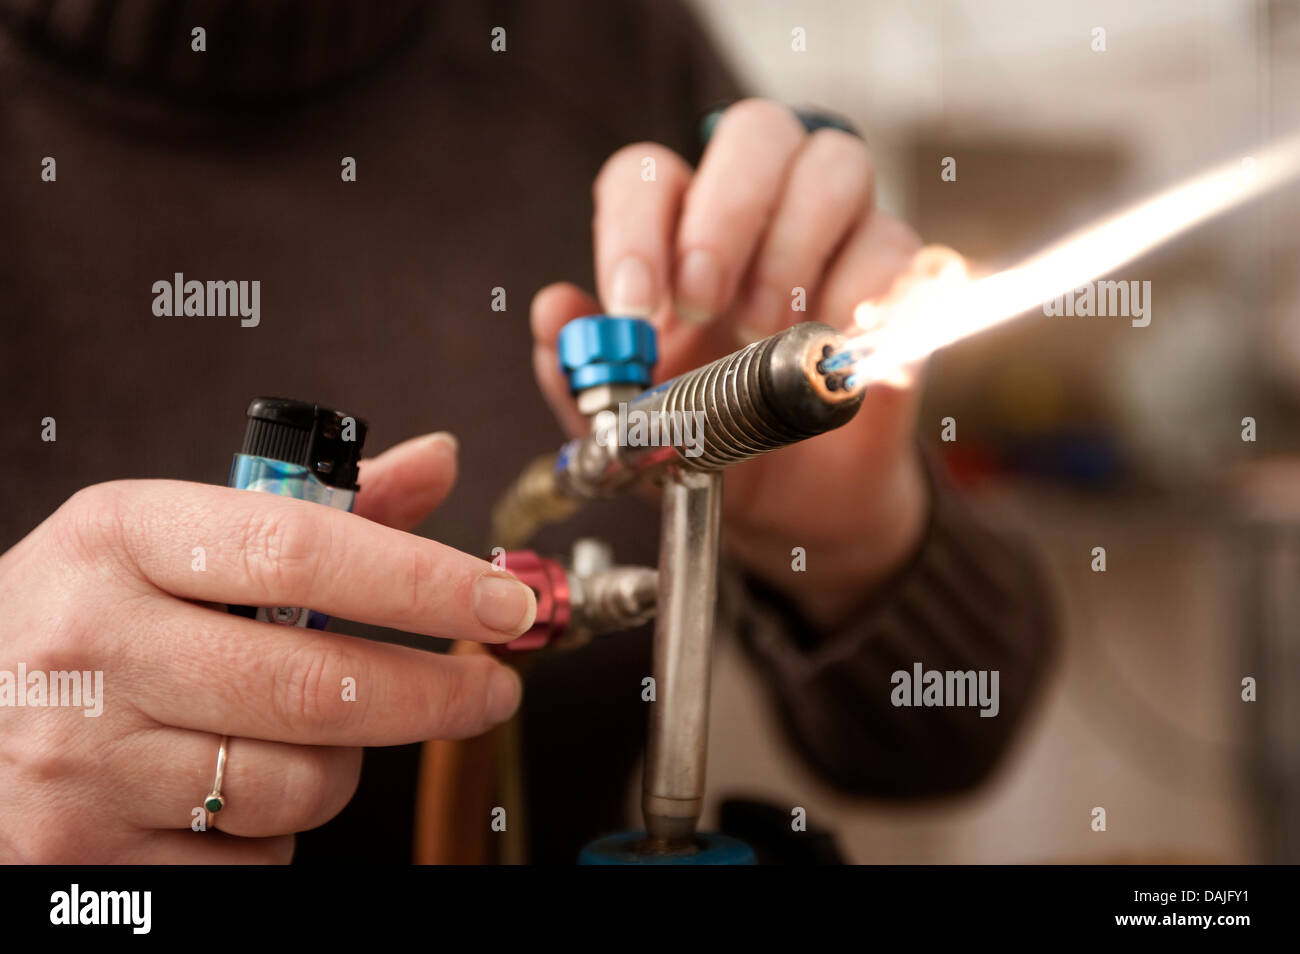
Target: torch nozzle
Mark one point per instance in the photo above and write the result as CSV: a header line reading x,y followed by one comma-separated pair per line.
x,y
772,393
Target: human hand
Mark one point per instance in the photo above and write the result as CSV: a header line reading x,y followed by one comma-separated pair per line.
x,y
720,256
111,583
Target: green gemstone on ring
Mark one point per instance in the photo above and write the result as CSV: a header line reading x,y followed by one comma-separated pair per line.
x,y
214,803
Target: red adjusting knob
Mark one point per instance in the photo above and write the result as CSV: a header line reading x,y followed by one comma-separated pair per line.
x,y
551,584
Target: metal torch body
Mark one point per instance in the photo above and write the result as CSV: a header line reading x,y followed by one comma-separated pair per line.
x,y
767,395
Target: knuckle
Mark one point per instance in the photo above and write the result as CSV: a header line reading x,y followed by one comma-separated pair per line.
x,y
43,755
839,145
90,521
309,787
841,167
305,698
423,587
624,164
275,851
460,700
279,552
69,638
93,499
612,169
894,233
764,115
65,646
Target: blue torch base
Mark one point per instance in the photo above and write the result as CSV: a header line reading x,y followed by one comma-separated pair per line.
x,y
629,848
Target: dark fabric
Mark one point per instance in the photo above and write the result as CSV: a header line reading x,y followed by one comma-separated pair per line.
x,y
474,171
971,599
256,53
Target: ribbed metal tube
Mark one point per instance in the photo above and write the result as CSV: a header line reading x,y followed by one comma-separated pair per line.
x,y
762,397
728,394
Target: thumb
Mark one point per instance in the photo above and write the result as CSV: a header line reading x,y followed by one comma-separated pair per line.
x,y
554,307
406,483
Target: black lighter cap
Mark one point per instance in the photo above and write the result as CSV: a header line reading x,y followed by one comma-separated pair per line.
x,y
308,434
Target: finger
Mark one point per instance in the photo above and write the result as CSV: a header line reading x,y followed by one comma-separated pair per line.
x,y
729,204
910,298
554,307
269,788
880,250
406,483
827,192
265,550
214,848
637,194
290,684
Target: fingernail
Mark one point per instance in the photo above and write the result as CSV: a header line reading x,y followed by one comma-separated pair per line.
x,y
699,285
505,690
631,290
504,604
448,438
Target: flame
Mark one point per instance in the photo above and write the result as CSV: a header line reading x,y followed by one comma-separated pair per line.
x,y
937,302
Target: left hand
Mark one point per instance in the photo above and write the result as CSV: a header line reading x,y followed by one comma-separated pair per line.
x,y
714,258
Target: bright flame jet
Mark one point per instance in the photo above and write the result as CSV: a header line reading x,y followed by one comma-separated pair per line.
x,y
937,302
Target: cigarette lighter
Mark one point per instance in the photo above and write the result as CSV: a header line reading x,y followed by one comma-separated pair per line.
x,y
303,450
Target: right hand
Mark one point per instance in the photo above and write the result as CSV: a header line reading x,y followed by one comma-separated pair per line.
x,y
108,583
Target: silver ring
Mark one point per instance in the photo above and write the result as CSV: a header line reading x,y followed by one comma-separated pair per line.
x,y
215,801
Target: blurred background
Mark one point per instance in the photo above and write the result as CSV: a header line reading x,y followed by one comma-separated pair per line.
x,y
1087,431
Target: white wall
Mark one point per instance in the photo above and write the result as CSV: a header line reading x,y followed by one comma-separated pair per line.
x,y
1179,82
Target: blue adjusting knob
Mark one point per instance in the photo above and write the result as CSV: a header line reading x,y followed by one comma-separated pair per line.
x,y
601,349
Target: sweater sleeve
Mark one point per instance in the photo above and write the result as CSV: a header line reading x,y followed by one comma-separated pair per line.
x,y
971,599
